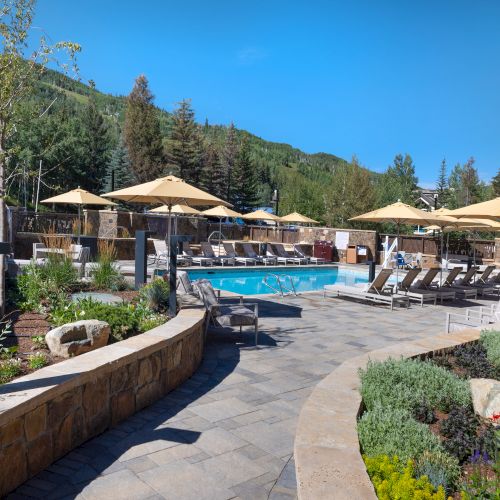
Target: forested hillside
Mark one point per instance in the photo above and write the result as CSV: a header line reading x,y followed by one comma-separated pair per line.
x,y
99,141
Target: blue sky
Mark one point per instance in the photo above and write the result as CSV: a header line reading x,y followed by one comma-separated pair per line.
x,y
362,77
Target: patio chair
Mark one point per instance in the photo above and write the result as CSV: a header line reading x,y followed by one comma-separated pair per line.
x,y
282,255
474,317
80,257
377,291
461,285
196,259
230,315
262,259
427,283
299,251
208,251
161,255
231,252
416,293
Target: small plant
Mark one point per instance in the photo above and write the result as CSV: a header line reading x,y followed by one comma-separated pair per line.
x,y
473,359
156,295
37,360
107,275
386,431
5,330
405,383
392,479
38,342
424,413
460,429
477,485
491,342
440,468
9,369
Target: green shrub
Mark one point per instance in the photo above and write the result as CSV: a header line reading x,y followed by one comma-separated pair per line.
x,y
37,360
405,383
156,295
9,369
106,275
387,431
440,468
121,318
491,342
393,480
39,341
473,358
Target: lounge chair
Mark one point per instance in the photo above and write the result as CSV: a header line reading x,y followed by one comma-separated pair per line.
x,y
242,314
461,284
208,252
427,283
474,317
414,293
377,291
299,251
282,253
481,284
161,255
196,259
250,253
231,252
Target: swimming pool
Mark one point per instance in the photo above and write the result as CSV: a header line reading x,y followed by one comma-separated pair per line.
x,y
244,281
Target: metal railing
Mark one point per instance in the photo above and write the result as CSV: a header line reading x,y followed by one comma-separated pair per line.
x,y
281,287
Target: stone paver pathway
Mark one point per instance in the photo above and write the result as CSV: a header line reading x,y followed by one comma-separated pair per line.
x,y
228,432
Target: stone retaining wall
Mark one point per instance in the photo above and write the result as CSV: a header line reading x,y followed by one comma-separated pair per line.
x,y
328,461
49,412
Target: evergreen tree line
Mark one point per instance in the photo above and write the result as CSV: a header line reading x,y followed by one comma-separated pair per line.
x,y
105,142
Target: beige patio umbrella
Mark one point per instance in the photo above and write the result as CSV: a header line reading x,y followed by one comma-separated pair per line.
x,y
78,197
221,211
484,210
177,209
261,215
169,191
298,218
400,214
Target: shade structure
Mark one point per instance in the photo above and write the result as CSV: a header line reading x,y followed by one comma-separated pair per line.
x,y
298,218
168,190
221,212
261,215
78,197
400,214
484,210
176,209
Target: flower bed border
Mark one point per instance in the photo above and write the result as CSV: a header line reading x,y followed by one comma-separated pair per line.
x,y
47,413
328,461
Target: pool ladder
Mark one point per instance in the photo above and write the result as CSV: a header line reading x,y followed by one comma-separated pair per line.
x,y
281,287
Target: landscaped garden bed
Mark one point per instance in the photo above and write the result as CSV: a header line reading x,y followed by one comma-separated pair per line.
x,y
419,433
43,297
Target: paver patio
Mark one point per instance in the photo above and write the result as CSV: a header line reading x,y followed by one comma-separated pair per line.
x,y
228,432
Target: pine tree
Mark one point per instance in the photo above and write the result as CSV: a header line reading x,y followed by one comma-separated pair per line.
x,y
118,169
142,133
495,182
95,143
398,182
212,177
229,154
442,184
184,144
465,186
245,179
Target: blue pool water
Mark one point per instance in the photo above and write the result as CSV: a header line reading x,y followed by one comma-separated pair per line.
x,y
250,281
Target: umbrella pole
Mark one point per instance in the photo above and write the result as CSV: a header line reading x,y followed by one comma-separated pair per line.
x,y
220,232
441,255
79,224
169,230
397,255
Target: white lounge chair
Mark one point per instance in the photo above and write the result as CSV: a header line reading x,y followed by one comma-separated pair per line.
x,y
427,284
196,259
310,258
414,293
208,251
459,285
231,252
262,259
161,255
284,254
376,292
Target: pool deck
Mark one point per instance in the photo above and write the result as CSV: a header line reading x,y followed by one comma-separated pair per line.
x,y
228,432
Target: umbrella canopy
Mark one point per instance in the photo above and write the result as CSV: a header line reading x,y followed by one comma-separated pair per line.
x,y
177,209
221,211
168,190
398,213
78,197
298,218
261,215
484,210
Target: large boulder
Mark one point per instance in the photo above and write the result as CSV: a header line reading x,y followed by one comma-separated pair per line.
x,y
76,338
485,396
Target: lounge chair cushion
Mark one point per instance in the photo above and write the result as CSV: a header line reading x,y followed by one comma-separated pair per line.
x,y
206,293
185,282
235,315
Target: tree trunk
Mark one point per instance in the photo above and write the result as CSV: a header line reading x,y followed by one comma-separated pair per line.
x,y
3,227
